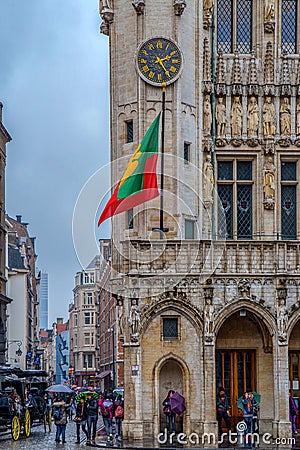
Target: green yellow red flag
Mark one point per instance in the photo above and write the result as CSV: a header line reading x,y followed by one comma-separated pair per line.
x,y
139,181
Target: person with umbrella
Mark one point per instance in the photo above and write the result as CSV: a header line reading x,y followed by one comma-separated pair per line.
x,y
293,412
60,418
80,418
248,415
170,415
92,417
106,405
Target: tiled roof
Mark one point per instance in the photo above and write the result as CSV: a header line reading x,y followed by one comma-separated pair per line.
x,y
15,260
94,261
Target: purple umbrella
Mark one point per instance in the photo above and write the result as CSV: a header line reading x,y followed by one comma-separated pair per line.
x,y
177,403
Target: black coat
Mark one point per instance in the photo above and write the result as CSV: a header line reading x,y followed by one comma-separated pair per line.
x,y
92,407
81,412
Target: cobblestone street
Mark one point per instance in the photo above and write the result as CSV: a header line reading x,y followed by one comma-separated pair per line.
x,y
39,440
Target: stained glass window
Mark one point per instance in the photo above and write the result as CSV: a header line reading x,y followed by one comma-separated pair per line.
x,y
235,199
288,211
129,131
244,211
225,170
244,26
170,328
289,26
225,224
234,26
288,171
244,170
225,26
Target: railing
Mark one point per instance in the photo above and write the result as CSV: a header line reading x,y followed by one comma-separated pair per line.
x,y
195,257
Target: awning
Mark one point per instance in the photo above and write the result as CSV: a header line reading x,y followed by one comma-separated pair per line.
x,y
103,374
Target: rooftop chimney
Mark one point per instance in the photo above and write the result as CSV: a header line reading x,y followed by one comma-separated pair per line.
x,y
19,218
59,320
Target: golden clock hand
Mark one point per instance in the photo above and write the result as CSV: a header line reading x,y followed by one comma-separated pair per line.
x,y
166,58
159,61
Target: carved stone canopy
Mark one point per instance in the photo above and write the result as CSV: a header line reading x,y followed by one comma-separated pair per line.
x,y
139,6
179,7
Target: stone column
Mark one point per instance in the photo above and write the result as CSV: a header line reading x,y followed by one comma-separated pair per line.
x,y
210,425
133,419
281,425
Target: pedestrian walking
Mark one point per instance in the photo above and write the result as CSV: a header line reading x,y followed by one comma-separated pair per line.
x,y
170,416
293,411
80,419
92,418
248,417
223,410
106,409
60,418
255,428
119,416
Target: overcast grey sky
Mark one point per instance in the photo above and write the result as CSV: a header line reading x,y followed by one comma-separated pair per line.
x,y
55,91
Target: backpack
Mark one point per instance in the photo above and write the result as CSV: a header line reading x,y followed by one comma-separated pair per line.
x,y
57,413
119,412
105,409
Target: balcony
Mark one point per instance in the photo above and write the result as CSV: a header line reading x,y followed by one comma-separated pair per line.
x,y
149,258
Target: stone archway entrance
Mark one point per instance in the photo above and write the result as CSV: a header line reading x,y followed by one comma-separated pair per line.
x,y
170,377
244,362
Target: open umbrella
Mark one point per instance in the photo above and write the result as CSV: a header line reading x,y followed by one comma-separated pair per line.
x,y
177,403
256,397
84,395
62,388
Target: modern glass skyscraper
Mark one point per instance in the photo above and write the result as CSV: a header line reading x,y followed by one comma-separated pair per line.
x,y
44,300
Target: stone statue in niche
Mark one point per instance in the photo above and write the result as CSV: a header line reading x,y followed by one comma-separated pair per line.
x,y
209,317
285,117
269,117
298,119
208,178
207,116
221,117
134,320
269,10
269,179
282,320
236,117
252,117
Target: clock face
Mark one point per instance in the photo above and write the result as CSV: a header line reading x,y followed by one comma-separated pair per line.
x,y
159,60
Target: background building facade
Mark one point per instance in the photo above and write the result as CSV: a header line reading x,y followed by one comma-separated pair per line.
x,y
23,287
216,302
44,295
4,299
83,321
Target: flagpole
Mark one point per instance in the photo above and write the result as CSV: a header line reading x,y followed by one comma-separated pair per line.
x,y
161,216
161,228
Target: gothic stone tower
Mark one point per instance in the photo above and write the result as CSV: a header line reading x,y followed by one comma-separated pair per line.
x,y
216,301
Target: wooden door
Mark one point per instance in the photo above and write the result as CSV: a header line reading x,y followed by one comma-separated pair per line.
x,y
235,371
